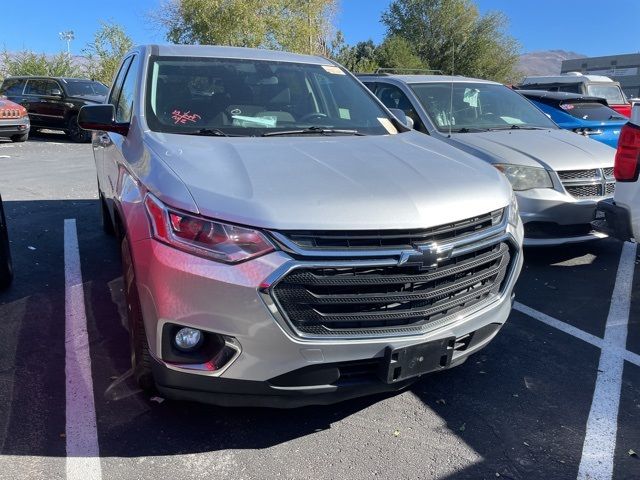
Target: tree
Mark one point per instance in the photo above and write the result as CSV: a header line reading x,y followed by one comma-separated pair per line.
x,y
359,58
397,53
452,36
27,62
296,25
110,44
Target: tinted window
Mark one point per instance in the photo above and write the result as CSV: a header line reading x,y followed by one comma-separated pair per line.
x,y
611,93
86,88
117,85
252,97
591,111
571,88
41,87
124,107
12,87
477,106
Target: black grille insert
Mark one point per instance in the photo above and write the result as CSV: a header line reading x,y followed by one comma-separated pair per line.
x,y
389,299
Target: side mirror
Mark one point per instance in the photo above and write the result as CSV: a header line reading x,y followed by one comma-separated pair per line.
x,y
402,117
102,118
56,92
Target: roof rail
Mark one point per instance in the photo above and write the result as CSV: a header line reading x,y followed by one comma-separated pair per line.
x,y
390,71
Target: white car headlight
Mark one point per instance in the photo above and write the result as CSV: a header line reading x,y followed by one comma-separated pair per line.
x,y
525,178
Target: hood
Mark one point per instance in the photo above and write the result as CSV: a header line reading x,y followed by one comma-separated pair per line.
x,y
555,149
400,181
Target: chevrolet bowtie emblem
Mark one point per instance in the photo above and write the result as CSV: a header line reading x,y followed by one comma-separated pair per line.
x,y
425,256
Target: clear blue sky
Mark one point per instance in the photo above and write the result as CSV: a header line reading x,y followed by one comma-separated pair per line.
x,y
591,27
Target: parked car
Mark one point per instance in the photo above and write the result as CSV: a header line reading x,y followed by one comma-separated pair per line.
x,y
620,216
590,116
14,121
285,239
575,82
54,103
558,176
6,269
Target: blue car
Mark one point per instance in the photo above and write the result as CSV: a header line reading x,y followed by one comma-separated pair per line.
x,y
582,114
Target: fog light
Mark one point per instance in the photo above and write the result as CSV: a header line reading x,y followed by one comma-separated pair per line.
x,y
188,339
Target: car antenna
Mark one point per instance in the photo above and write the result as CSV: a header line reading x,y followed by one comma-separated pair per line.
x,y
453,66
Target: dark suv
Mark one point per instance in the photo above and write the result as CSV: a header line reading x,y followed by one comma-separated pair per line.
x,y
54,102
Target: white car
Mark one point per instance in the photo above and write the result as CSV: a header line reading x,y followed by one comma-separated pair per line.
x,y
622,213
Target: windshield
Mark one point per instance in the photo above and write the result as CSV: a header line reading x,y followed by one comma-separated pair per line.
x,y
611,93
473,106
86,88
591,111
256,97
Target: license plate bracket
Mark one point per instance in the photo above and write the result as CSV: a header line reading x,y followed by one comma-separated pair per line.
x,y
414,360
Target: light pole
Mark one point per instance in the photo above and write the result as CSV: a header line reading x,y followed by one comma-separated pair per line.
x,y
67,36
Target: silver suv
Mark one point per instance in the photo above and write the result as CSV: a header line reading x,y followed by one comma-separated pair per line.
x,y
285,239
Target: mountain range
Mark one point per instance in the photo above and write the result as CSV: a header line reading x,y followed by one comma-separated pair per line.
x,y
547,62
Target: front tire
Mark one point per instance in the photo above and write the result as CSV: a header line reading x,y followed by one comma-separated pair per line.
x,y
140,356
75,133
6,268
20,138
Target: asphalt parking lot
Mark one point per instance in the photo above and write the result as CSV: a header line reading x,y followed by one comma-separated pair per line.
x,y
538,403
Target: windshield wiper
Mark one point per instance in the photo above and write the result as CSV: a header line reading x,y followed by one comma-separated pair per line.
x,y
468,130
314,131
518,127
208,132
617,117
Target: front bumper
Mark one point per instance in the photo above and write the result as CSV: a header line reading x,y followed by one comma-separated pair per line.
x,y
14,126
552,217
182,289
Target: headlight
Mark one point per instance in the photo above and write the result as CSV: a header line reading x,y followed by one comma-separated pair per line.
x,y
525,178
514,211
203,237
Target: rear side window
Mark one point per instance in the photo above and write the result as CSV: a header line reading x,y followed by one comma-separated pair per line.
x,y
611,93
591,111
12,86
41,87
571,88
124,107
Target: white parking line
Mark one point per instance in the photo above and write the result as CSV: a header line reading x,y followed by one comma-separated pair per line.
x,y
602,427
562,326
83,455
576,332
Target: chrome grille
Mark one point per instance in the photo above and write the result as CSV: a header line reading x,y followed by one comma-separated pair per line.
x,y
591,183
578,174
365,285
